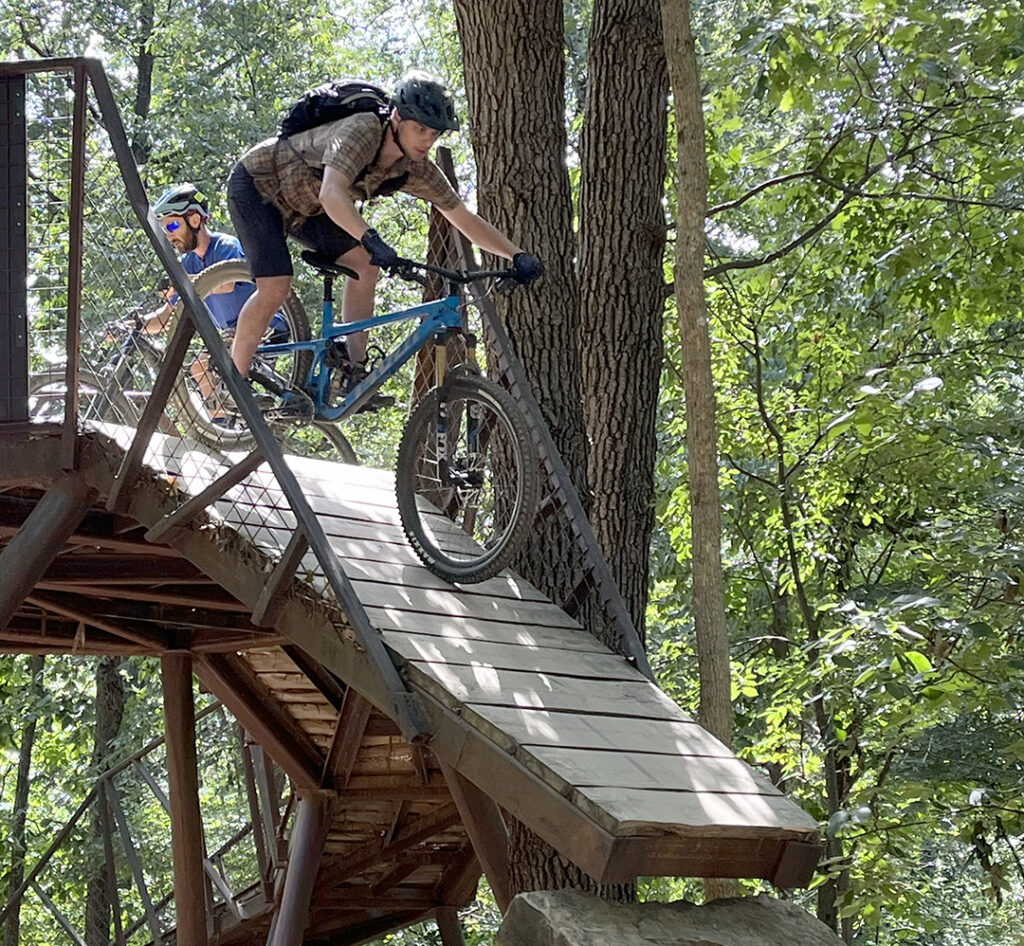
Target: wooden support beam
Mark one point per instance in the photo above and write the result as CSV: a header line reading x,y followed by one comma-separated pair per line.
x,y
305,848
341,869
326,682
35,545
487,832
348,736
271,600
206,596
55,606
449,927
187,845
234,684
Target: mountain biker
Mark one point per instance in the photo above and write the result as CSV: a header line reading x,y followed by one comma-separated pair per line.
x,y
183,210
306,185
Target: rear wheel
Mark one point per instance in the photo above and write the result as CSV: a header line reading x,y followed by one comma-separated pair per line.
x,y
203,408
99,400
467,480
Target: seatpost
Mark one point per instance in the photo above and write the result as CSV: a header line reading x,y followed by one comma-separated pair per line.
x,y
328,301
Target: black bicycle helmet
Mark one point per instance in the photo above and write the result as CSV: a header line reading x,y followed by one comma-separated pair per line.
x,y
426,100
180,199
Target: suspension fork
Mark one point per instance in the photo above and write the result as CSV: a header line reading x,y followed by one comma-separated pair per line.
x,y
447,475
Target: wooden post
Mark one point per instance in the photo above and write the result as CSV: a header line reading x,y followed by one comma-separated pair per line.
x,y
448,926
186,821
14,252
36,544
482,820
309,833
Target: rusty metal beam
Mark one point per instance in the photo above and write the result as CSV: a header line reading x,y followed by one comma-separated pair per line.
x,y
305,849
187,844
30,551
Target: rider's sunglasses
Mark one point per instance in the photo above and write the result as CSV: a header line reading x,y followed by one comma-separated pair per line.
x,y
171,225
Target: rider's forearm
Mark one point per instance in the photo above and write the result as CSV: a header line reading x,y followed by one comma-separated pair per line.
x,y
481,233
339,206
156,321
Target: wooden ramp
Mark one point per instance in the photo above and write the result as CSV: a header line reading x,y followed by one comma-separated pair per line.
x,y
530,713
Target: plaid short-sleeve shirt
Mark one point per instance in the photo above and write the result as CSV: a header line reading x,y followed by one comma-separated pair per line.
x,y
288,172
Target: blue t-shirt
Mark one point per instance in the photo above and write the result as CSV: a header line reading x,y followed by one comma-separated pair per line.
x,y
224,306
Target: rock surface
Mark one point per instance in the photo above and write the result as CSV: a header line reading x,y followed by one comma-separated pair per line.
x,y
574,918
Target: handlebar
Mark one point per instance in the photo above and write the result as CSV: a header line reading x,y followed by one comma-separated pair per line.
x,y
412,271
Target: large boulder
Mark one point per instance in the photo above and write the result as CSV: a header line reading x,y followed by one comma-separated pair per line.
x,y
575,918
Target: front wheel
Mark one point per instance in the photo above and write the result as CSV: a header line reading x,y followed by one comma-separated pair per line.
x,y
467,480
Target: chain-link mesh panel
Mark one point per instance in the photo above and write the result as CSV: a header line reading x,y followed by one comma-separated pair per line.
x,y
111,880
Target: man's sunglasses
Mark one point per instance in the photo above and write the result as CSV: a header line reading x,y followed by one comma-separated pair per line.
x,y
171,225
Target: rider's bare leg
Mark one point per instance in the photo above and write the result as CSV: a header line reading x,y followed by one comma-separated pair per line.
x,y
357,297
255,316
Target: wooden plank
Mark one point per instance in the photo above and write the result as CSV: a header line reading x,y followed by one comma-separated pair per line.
x,y
346,740
487,832
456,685
704,814
238,689
449,601
513,657
512,727
566,768
458,629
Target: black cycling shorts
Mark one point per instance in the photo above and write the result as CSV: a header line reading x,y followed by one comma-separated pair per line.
x,y
260,229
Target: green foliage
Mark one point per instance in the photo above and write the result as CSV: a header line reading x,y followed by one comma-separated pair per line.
x,y
866,189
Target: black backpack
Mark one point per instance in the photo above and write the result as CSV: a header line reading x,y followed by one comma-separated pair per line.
x,y
333,101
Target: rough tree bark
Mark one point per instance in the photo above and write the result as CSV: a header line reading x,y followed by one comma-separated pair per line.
x,y
698,381
515,81
621,278
18,843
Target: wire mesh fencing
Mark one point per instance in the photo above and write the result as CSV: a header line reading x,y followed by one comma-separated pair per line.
x,y
107,876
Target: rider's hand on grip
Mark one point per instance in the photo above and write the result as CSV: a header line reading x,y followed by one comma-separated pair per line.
x,y
526,268
380,253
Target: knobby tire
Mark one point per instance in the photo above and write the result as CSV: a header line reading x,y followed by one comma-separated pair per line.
x,y
468,533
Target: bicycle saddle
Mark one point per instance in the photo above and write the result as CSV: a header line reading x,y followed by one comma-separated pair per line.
x,y
325,265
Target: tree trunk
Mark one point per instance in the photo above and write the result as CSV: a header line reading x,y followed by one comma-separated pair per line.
x,y
18,842
698,386
144,61
698,381
622,282
515,80
109,714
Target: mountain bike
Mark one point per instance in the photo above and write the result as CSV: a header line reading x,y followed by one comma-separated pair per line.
x,y
115,392
205,412
467,478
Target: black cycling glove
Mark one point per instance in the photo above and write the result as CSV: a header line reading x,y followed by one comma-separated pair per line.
x,y
380,253
526,268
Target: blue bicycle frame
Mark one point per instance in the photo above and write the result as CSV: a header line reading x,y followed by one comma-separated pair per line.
x,y
436,318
